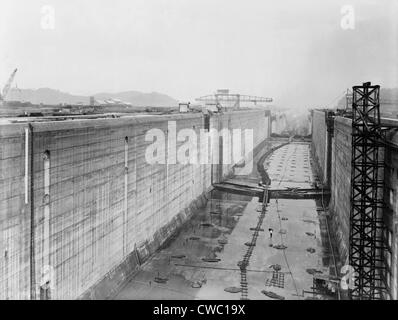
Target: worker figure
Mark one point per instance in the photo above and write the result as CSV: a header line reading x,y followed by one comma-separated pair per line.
x,y
270,230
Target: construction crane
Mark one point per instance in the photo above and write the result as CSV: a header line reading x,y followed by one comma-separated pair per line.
x,y
7,87
222,96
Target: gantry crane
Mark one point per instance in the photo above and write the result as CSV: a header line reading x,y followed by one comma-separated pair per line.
x,y
222,97
7,87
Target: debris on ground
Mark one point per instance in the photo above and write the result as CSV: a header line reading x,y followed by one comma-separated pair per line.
x,y
178,256
233,289
272,295
313,271
196,285
242,264
276,267
161,280
206,224
256,229
211,259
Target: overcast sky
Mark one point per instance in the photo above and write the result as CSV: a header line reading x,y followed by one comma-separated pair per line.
x,y
294,51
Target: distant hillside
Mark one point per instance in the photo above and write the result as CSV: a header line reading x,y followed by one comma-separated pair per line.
x,y
387,97
137,98
45,96
51,96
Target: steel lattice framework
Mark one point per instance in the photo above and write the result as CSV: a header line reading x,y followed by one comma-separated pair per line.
x,y
366,224
231,99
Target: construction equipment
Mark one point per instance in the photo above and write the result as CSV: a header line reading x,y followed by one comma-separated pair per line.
x,y
7,87
366,222
222,98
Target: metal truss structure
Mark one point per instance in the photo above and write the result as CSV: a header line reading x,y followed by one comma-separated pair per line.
x,y
225,99
366,223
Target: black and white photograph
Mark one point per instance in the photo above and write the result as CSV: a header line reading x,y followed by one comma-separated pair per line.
x,y
212,151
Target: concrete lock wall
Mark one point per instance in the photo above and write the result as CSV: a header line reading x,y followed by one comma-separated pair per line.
x,y
253,120
341,192
320,143
391,217
99,209
338,144
340,186
340,204
14,214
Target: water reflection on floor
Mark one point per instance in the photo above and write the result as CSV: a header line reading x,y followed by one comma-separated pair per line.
x,y
202,261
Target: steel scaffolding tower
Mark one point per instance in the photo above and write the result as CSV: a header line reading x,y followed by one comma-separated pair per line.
x,y
366,224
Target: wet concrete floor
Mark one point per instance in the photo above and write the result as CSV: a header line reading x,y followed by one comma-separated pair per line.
x,y
202,261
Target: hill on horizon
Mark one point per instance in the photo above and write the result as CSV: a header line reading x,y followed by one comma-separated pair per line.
x,y
387,96
55,97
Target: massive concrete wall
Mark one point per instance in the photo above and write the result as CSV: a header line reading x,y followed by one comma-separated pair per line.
x,y
255,121
341,183
337,143
14,215
319,140
79,199
339,205
322,133
391,212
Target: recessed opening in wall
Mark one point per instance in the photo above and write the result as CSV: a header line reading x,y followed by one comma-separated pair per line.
x,y
45,293
391,197
387,257
126,152
207,122
46,165
46,155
